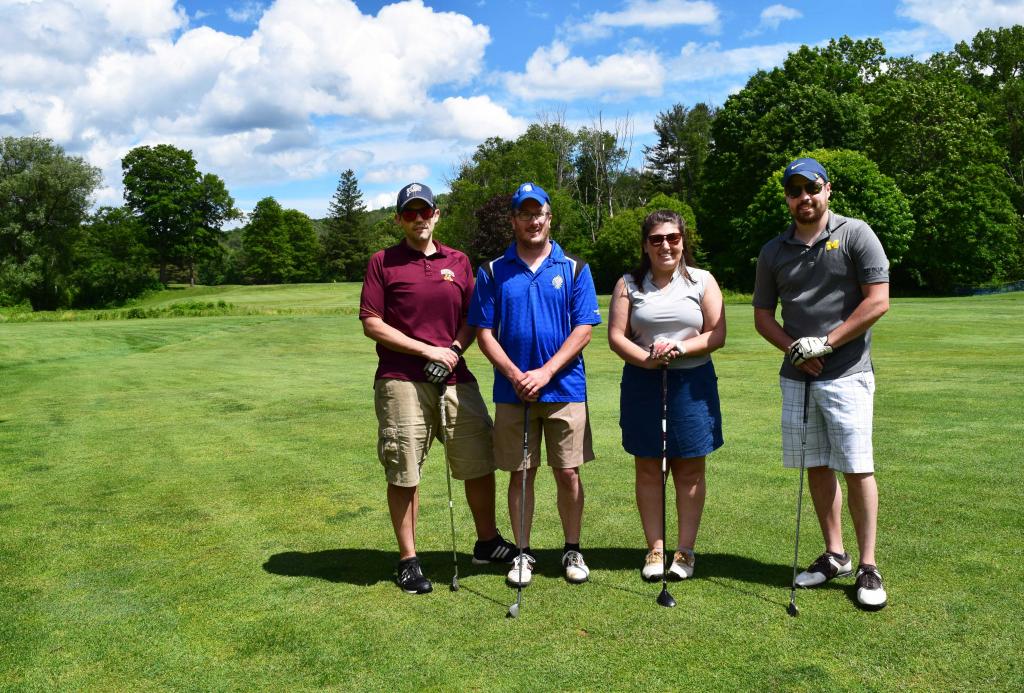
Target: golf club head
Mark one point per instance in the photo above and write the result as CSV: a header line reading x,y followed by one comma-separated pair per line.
x,y
454,587
793,610
666,599
513,611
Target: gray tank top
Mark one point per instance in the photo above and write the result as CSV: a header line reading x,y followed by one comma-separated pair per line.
x,y
673,312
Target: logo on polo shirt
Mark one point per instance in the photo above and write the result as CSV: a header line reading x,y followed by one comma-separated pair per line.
x,y
557,281
447,275
831,245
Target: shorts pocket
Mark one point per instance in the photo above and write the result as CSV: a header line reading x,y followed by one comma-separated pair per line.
x,y
388,447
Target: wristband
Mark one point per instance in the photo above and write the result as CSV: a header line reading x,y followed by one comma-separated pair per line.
x,y
456,348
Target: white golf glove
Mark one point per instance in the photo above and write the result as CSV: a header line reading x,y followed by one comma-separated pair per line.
x,y
437,372
807,348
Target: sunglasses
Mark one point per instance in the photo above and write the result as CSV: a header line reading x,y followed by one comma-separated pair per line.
x,y
794,190
672,238
424,213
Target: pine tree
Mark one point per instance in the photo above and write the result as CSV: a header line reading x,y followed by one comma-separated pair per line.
x,y
345,243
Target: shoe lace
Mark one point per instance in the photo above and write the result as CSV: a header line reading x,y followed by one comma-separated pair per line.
x,y
574,558
527,560
869,579
411,571
655,556
821,564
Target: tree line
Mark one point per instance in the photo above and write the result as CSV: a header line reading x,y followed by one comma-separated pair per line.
x,y
930,153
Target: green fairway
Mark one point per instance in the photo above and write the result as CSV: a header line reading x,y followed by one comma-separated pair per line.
x,y
196,504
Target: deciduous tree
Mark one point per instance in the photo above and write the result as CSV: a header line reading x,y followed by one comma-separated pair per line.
x,y
44,196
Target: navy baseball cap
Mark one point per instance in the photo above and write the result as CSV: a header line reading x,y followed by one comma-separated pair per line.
x,y
808,168
529,191
414,191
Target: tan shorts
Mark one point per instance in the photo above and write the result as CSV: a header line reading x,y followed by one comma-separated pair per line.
x,y
409,419
565,427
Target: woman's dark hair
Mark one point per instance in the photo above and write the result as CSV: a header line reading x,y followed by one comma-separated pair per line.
x,y
662,216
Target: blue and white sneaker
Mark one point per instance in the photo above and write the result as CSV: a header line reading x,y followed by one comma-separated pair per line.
x,y
496,550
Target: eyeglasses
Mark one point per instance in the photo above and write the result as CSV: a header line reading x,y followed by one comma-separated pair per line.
x,y
811,187
672,238
424,213
531,217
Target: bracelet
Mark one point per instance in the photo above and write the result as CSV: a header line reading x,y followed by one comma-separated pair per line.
x,y
456,348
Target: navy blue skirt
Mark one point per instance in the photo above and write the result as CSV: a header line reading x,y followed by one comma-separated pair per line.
x,y
694,413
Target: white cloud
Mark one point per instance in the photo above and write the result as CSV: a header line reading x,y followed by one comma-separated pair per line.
x,y
245,13
469,119
962,19
773,15
384,199
656,14
396,173
551,73
102,76
707,61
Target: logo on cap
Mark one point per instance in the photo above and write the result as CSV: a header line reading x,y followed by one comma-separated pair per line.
x,y
414,188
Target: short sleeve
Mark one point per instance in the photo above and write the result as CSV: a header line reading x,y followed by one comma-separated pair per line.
x,y
766,294
481,307
371,299
869,256
584,300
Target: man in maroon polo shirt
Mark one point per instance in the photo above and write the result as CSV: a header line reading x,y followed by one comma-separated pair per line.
x,y
414,304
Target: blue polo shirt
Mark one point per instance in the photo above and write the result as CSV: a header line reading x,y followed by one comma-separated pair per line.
x,y
532,314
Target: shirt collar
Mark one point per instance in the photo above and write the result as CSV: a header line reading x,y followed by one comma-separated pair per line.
x,y
830,226
440,250
556,254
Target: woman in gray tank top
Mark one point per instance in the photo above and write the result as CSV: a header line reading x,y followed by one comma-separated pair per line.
x,y
667,315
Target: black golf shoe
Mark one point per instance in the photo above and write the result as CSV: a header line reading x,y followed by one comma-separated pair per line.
x,y
495,550
411,578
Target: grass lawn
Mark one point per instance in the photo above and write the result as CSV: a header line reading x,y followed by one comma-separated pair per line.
x,y
196,504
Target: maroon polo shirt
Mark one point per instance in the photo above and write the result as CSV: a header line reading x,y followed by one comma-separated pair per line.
x,y
424,297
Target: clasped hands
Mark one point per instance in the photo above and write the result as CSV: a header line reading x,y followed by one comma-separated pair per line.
x,y
663,351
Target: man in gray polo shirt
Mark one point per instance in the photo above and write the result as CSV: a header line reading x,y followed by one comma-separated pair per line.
x,y
832,277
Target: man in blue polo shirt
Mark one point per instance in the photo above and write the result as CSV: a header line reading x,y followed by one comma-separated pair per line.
x,y
534,308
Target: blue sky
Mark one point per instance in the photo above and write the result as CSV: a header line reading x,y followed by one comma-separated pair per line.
x,y
278,97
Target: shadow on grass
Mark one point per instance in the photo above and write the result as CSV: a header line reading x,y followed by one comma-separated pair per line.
x,y
365,566
370,566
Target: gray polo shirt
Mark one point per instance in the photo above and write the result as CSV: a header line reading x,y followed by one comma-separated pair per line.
x,y
820,286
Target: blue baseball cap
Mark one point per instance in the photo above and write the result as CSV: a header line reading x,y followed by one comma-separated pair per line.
x,y
529,191
808,168
414,191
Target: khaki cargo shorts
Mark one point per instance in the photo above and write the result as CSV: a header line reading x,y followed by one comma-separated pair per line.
x,y
409,419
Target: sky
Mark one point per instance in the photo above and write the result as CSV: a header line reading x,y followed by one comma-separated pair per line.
x,y
278,97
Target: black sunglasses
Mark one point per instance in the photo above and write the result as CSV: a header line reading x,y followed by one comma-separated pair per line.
x,y
811,187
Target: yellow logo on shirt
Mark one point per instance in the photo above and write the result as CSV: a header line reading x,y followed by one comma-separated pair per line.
x,y
447,275
831,245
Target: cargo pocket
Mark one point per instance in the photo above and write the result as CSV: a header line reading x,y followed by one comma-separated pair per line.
x,y
388,448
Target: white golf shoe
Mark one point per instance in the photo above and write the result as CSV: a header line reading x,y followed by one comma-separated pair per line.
x,y
576,571
522,570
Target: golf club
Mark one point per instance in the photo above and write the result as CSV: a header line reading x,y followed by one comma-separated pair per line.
x,y
513,611
793,610
664,599
448,475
